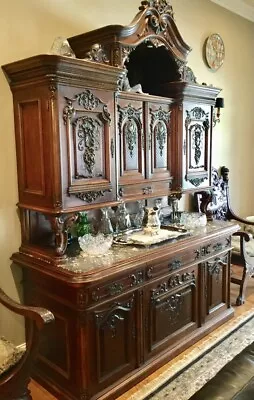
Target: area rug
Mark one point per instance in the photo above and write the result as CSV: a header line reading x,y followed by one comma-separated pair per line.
x,y
188,373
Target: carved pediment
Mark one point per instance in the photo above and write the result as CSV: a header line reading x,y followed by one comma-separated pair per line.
x,y
154,22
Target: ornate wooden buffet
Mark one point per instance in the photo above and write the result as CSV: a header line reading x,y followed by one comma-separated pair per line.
x,y
85,140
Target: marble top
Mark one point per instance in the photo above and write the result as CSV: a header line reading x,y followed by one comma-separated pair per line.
x,y
122,253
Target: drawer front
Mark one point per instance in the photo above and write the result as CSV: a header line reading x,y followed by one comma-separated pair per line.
x,y
180,259
113,288
145,190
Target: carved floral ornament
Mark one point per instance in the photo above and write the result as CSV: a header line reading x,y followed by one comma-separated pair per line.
x,y
162,6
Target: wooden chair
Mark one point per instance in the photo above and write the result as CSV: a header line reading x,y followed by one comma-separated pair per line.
x,y
15,378
216,205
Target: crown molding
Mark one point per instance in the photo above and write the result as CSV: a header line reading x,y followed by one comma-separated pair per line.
x,y
244,8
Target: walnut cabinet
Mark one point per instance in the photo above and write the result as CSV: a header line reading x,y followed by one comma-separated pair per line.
x,y
121,117
118,322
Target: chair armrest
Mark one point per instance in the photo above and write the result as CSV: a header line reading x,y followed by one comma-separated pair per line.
x,y
40,316
244,235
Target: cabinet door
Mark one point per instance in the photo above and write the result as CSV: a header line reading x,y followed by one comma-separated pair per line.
x,y
87,146
196,146
131,141
216,285
171,311
112,338
158,141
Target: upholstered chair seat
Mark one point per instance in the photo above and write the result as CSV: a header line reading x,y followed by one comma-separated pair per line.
x,y
9,355
16,365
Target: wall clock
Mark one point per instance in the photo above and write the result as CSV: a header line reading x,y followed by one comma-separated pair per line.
x,y
214,51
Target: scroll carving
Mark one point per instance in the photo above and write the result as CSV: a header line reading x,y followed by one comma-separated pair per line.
x,y
109,319
136,278
89,197
196,181
60,227
174,281
162,6
89,132
97,54
185,72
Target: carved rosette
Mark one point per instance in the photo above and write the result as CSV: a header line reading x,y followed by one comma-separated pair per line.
x,y
130,126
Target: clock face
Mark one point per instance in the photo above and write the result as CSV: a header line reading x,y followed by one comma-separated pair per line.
x,y
214,51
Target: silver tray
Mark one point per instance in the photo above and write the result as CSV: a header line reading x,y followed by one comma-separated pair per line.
x,y
166,233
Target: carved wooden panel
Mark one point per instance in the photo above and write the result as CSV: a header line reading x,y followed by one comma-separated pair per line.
x,y
216,294
87,117
196,145
131,140
159,140
34,144
172,308
113,331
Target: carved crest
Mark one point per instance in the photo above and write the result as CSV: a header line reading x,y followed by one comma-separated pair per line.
x,y
162,6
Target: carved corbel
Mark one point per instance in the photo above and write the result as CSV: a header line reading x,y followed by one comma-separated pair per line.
x,y
60,227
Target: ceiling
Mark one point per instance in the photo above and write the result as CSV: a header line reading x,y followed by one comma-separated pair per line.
x,y
244,8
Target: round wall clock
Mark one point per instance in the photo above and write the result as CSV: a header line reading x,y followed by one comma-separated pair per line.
x,y
214,51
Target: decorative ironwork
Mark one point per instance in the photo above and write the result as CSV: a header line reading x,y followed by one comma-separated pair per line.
x,y
97,54
89,197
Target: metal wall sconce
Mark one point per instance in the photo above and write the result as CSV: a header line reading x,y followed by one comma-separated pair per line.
x,y
219,103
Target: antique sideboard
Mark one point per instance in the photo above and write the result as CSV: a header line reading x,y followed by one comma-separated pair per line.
x,y
124,120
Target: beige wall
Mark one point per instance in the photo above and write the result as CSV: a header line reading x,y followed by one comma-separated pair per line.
x,y
28,27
